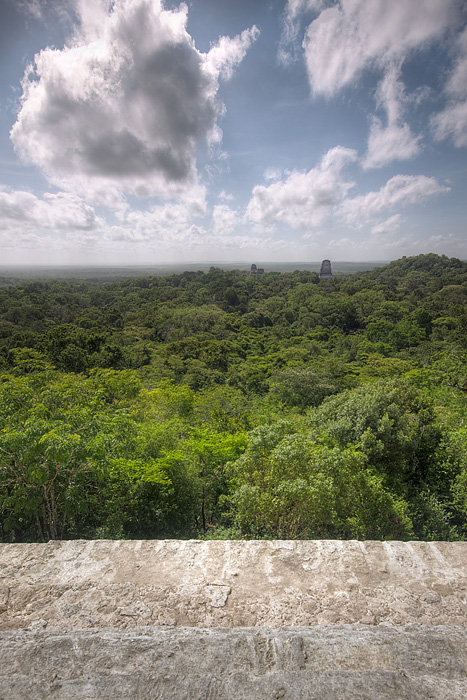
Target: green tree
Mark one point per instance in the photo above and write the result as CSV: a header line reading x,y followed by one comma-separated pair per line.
x,y
61,442
391,423
302,386
287,485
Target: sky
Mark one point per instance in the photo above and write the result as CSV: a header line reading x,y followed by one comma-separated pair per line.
x,y
152,132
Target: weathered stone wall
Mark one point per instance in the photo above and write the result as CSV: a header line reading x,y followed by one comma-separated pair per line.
x,y
219,620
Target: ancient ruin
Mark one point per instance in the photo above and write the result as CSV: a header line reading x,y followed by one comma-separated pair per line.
x,y
221,620
325,272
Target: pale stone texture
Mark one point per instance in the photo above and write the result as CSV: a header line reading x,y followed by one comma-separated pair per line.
x,y
322,663
220,620
89,584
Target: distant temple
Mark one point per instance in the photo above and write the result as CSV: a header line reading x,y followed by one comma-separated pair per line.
x,y
325,271
256,270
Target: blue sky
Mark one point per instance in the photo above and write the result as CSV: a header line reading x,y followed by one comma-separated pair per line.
x,y
146,132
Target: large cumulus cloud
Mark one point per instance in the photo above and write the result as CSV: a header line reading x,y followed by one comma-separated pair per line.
x,y
303,199
350,37
124,105
452,121
399,190
356,34
23,211
394,140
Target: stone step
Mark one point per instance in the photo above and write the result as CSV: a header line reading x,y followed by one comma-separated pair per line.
x,y
354,662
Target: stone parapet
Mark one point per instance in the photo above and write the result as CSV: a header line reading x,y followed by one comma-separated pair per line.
x,y
233,619
122,584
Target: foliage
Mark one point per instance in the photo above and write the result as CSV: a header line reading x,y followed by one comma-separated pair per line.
x,y
218,404
287,485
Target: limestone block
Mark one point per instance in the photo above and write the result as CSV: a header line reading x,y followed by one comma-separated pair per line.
x,y
305,620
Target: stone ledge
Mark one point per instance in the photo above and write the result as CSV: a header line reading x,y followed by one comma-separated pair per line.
x,y
326,663
191,620
126,584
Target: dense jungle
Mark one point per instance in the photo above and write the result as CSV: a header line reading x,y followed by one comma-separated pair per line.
x,y
223,405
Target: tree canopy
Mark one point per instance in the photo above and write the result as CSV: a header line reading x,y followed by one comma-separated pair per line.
x,y
221,404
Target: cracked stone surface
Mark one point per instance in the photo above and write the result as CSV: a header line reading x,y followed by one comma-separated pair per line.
x,y
89,584
214,620
333,662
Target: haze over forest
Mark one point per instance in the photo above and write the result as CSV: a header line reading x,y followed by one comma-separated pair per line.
x,y
149,132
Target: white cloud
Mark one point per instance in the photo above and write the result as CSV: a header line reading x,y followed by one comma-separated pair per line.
x,y
272,174
303,199
226,196
168,222
167,228
294,11
224,220
457,84
296,7
224,56
400,190
341,243
20,210
394,141
356,34
30,7
123,106
440,241
74,224
389,225
452,121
